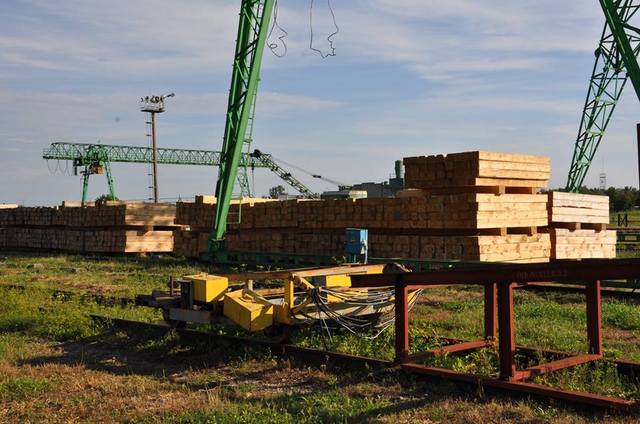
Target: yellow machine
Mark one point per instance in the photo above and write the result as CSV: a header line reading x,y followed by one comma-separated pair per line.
x,y
293,297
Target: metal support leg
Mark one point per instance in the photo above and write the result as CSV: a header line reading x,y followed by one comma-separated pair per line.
x,y
85,183
506,342
594,317
402,323
490,318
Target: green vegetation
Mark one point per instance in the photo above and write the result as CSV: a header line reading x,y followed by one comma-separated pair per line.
x,y
118,276
20,388
620,199
57,365
328,407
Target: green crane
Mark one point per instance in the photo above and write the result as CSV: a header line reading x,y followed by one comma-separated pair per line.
x,y
616,62
253,27
97,159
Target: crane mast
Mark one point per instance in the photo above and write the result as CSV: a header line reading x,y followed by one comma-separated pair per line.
x,y
253,28
616,62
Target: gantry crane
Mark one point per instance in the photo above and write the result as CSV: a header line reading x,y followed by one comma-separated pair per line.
x,y
97,159
616,62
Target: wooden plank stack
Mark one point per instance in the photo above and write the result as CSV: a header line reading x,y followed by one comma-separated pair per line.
x,y
578,226
475,206
190,243
110,228
576,211
439,173
197,217
493,196
510,248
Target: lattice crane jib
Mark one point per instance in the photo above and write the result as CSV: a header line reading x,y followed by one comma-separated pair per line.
x,y
253,27
616,61
84,153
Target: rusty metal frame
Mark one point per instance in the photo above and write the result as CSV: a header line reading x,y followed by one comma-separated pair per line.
x,y
499,325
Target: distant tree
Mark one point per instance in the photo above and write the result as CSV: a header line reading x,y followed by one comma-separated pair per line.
x,y
620,199
100,200
277,191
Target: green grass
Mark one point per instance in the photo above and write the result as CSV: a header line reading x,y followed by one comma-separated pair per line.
x,y
327,407
34,313
30,318
123,276
21,388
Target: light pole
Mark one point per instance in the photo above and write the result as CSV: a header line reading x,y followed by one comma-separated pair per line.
x,y
154,105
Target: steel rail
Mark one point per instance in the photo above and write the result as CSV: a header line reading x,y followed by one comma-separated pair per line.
x,y
308,356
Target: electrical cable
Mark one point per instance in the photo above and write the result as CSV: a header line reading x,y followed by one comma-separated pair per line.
x,y
357,325
274,46
329,37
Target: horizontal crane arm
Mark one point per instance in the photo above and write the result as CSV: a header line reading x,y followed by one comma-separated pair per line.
x,y
136,154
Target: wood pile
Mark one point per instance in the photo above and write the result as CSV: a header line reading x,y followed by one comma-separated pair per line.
x,y
190,243
578,226
200,214
512,248
574,210
477,169
110,228
582,244
475,206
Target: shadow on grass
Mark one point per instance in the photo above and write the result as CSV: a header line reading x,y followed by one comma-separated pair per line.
x,y
343,399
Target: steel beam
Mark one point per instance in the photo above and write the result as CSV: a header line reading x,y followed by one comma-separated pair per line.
x,y
401,323
560,364
576,272
594,317
490,312
506,332
584,398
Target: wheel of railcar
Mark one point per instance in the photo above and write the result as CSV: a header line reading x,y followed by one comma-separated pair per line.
x,y
278,333
170,322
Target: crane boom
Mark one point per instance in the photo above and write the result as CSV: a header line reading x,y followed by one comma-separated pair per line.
x,y
616,61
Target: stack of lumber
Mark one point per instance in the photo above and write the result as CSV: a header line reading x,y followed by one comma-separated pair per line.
x,y
475,206
200,214
190,243
575,210
578,226
486,211
306,242
109,228
510,248
195,222
582,244
463,211
439,173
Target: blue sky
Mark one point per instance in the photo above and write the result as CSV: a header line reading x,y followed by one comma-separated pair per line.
x,y
410,77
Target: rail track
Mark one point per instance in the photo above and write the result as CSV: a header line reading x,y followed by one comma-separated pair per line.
x,y
301,356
